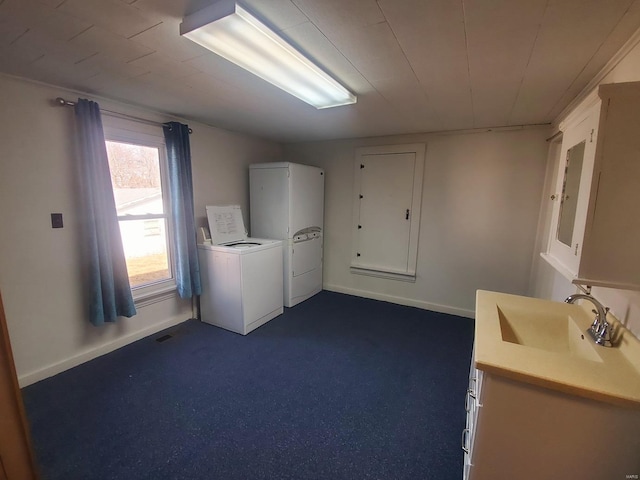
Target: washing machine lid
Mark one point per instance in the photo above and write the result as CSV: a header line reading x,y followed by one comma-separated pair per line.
x,y
226,224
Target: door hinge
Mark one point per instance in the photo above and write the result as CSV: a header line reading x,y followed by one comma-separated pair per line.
x,y
591,139
575,252
406,217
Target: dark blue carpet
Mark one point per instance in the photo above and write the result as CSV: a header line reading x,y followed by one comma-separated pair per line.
x,y
339,387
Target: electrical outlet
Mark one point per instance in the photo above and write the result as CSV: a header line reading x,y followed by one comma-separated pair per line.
x,y
56,220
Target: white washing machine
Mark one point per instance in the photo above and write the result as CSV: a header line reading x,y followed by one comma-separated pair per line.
x,y
242,279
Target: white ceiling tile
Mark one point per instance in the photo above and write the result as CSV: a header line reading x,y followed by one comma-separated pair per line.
x,y
52,3
112,15
38,16
102,63
164,9
22,53
374,51
313,44
432,36
573,33
166,38
97,39
278,14
38,40
501,35
333,16
164,66
10,32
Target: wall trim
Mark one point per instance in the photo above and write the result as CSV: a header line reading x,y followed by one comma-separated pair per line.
x,y
75,360
410,302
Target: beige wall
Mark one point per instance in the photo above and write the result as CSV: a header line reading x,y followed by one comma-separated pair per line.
x,y
39,266
547,283
480,202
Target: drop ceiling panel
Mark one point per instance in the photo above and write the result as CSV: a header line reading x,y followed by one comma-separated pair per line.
x,y
45,19
625,28
98,40
337,16
501,35
278,14
112,15
571,34
164,66
308,38
374,51
431,34
163,37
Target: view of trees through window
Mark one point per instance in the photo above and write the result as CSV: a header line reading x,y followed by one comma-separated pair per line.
x,y
137,189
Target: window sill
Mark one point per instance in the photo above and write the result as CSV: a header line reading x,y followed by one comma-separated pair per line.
x,y
371,272
151,294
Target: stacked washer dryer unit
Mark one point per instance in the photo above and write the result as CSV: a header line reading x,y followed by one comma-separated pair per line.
x,y
287,203
242,281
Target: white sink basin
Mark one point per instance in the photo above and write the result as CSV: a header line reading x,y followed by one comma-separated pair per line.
x,y
545,343
551,332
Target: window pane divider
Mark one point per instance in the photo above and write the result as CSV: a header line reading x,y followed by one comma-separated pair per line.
x,y
149,216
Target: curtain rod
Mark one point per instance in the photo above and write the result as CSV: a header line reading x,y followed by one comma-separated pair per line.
x,y
68,103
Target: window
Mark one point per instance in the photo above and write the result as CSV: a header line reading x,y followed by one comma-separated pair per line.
x,y
138,163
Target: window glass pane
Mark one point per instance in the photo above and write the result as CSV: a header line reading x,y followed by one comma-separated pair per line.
x,y
135,175
145,249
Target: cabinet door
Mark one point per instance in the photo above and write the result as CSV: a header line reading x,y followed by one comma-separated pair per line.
x,y
571,196
16,455
611,255
388,192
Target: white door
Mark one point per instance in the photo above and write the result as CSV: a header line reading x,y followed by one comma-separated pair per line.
x,y
269,202
307,255
306,197
385,211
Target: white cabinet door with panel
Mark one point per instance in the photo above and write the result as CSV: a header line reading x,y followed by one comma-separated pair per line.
x,y
517,430
386,210
571,196
595,231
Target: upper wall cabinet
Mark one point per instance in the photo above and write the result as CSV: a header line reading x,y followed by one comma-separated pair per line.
x,y
595,229
386,210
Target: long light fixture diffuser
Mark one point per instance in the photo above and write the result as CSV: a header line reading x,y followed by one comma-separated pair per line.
x,y
230,31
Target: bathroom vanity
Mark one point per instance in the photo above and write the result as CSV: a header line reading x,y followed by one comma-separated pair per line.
x,y
544,401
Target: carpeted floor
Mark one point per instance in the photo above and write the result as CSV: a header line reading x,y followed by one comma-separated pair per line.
x,y
339,387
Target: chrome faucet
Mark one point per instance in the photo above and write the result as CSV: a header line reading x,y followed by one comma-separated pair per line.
x,y
600,330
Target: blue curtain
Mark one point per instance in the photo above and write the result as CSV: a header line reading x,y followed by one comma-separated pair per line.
x,y
176,137
108,282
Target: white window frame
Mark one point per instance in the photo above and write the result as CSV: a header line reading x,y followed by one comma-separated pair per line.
x,y
160,290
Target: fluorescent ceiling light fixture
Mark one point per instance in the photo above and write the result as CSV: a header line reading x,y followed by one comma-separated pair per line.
x,y
230,31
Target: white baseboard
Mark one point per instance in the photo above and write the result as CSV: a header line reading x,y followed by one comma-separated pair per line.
x,y
66,364
410,302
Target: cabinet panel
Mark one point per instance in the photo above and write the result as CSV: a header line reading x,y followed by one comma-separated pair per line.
x,y
614,219
386,212
605,232
385,188
572,193
528,432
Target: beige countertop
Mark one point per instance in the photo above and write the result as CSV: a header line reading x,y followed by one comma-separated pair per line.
x,y
608,374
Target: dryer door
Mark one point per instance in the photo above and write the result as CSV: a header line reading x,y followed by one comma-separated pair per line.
x,y
307,253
